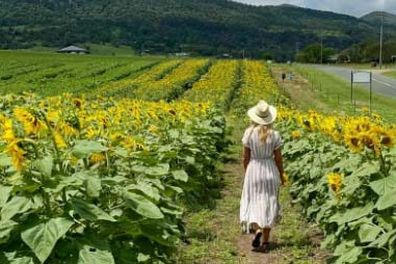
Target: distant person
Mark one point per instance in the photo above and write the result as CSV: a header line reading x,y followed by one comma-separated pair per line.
x,y
262,160
283,76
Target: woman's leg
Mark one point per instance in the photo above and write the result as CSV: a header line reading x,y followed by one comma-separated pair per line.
x,y
254,227
266,235
258,232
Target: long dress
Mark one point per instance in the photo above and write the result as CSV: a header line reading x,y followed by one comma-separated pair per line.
x,y
259,201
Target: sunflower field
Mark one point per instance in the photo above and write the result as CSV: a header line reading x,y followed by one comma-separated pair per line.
x,y
105,172
101,181
343,173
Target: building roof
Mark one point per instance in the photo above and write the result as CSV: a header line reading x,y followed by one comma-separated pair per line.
x,y
72,49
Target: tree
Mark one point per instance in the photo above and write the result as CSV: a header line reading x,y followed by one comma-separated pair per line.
x,y
313,54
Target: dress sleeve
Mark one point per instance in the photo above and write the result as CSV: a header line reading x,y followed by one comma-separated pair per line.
x,y
278,140
246,138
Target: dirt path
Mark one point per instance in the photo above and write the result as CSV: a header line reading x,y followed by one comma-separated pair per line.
x,y
215,236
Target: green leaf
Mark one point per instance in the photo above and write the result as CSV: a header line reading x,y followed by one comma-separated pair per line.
x,y
352,214
83,148
383,239
161,232
43,237
350,164
344,247
23,260
45,165
387,199
392,151
5,229
180,175
5,192
351,256
142,205
173,133
368,232
17,205
381,185
143,257
90,211
367,169
90,254
158,170
93,186
146,189
190,160
5,160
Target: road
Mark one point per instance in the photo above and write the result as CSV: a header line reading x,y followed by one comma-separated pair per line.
x,y
381,84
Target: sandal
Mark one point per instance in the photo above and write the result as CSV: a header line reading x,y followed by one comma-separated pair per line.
x,y
266,247
257,238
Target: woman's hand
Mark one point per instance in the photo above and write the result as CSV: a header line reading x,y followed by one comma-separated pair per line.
x,y
279,165
284,179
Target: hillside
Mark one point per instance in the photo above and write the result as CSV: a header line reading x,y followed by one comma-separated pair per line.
x,y
375,18
207,27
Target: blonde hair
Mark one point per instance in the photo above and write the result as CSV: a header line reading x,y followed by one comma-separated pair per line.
x,y
265,131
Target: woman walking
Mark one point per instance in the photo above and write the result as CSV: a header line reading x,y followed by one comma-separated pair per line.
x,y
264,174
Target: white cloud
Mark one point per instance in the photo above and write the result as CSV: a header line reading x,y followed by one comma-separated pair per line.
x,y
352,7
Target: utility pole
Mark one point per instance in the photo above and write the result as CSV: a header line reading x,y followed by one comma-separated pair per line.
x,y
381,39
321,48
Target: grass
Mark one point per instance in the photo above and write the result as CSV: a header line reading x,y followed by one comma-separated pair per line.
x,y
391,74
333,93
212,233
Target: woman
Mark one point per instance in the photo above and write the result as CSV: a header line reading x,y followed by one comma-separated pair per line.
x,y
264,174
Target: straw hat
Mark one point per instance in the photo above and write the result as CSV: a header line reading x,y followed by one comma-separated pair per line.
x,y
262,113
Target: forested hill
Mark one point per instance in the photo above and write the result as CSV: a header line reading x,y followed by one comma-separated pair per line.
x,y
208,27
376,17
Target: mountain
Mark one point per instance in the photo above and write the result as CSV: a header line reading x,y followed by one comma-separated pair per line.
x,y
206,27
376,17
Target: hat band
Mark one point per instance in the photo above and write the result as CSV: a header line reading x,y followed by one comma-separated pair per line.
x,y
263,115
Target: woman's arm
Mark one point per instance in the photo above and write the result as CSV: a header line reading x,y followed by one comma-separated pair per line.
x,y
279,164
246,157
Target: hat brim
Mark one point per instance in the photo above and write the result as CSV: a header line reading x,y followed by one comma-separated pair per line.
x,y
263,121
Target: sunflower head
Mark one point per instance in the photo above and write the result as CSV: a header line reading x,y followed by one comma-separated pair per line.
x,y
296,134
335,181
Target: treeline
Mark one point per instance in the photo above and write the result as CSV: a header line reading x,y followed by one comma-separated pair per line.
x,y
204,27
367,52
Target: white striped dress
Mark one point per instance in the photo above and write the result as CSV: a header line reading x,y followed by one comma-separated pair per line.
x,y
259,201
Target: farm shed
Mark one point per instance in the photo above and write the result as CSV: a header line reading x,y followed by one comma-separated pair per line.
x,y
73,50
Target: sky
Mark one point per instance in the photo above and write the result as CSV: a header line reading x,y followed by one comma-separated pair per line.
x,y
351,7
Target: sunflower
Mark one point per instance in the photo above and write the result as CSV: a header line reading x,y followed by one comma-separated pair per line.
x,y
353,143
59,140
296,134
97,158
31,124
335,181
17,155
8,131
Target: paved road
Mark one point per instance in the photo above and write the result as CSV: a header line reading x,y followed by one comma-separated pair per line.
x,y
381,84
